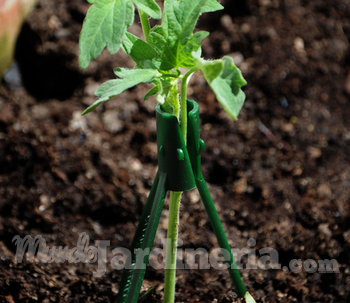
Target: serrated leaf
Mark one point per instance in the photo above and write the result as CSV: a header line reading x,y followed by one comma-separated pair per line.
x,y
225,83
112,88
180,18
138,49
157,38
184,58
150,7
192,10
210,69
170,21
174,40
105,25
212,6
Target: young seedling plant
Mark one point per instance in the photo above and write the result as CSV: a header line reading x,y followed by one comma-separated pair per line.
x,y
167,57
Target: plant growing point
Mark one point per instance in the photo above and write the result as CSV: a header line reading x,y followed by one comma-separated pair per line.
x,y
167,49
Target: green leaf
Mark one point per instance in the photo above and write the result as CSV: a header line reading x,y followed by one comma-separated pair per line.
x,y
157,38
248,298
212,6
174,40
153,91
226,80
150,7
164,88
184,57
128,79
105,25
192,10
173,100
148,64
180,18
138,49
210,69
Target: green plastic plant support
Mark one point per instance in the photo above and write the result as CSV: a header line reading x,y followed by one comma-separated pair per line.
x,y
173,157
132,277
195,146
179,170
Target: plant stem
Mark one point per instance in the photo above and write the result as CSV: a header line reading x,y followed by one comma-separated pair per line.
x,y
145,24
174,207
171,244
183,102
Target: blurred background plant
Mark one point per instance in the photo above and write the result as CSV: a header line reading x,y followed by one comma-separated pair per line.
x,y
12,15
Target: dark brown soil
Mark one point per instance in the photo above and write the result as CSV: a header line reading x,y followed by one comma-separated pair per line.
x,y
280,175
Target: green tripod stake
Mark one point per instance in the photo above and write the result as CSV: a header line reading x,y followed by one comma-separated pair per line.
x,y
179,170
